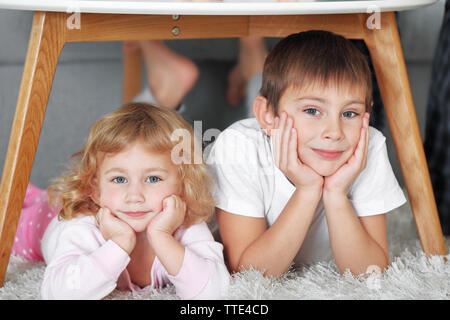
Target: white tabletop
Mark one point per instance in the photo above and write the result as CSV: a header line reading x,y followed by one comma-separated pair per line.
x,y
215,7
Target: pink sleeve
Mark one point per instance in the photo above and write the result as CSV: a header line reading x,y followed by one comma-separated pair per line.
x,y
82,267
203,274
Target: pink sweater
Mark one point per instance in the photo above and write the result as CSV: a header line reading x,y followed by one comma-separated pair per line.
x,y
81,264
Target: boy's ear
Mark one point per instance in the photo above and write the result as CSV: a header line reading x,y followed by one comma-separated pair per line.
x,y
370,107
263,114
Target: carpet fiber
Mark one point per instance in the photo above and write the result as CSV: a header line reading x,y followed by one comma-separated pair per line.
x,y
410,275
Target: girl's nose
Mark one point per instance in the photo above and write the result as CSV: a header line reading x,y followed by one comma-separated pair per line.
x,y
135,193
332,129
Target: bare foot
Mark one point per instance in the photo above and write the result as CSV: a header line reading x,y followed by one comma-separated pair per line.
x,y
170,75
251,61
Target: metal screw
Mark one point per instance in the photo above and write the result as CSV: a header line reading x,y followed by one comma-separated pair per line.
x,y
176,31
175,17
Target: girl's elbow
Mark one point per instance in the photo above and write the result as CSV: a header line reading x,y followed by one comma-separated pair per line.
x,y
217,286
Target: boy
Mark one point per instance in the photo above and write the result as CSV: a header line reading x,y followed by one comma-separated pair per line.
x,y
306,179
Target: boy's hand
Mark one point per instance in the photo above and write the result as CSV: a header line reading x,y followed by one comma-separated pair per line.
x,y
170,218
286,155
117,230
339,181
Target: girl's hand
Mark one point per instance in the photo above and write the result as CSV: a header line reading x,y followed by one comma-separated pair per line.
x,y
339,181
170,218
285,142
117,230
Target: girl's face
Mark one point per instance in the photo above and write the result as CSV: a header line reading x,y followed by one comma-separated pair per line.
x,y
328,121
133,183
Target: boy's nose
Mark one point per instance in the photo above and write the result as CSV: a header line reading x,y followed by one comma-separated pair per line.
x,y
332,130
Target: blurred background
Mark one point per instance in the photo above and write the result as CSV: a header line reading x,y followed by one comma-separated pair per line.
x,y
88,84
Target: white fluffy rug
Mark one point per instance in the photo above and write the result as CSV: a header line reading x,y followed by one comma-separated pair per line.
x,y
411,275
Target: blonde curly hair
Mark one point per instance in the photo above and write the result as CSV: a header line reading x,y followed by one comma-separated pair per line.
x,y
111,134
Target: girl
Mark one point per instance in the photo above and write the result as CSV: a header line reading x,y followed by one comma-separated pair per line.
x,y
130,215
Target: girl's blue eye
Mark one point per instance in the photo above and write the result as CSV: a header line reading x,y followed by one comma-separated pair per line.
x,y
312,111
153,179
349,114
119,180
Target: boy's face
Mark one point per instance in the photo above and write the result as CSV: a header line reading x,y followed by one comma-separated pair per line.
x,y
328,121
133,183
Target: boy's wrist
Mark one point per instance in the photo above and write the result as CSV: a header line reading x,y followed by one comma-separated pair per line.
x,y
313,193
333,195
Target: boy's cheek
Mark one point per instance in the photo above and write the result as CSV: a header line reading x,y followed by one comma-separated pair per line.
x,y
354,142
303,156
354,133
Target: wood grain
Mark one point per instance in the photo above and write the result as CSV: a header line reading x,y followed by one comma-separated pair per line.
x,y
387,56
116,27
347,25
46,42
132,75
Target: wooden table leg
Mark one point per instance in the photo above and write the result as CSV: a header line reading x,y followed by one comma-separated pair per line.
x,y
387,56
45,45
132,73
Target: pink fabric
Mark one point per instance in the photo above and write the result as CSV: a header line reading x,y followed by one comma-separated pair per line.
x,y
192,278
34,218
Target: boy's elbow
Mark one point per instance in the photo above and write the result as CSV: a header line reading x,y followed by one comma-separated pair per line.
x,y
268,268
236,267
365,270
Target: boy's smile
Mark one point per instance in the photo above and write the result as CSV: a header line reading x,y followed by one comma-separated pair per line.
x,y
328,154
328,121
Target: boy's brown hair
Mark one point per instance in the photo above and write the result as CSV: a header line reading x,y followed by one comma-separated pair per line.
x,y
314,57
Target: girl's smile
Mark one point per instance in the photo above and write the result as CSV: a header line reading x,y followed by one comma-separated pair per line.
x,y
133,183
136,214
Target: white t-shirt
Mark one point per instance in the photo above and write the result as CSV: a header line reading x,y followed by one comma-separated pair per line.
x,y
249,183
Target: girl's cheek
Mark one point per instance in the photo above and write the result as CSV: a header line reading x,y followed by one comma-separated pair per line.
x,y
180,188
109,197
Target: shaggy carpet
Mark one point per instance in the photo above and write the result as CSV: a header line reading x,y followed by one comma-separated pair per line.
x,y
410,275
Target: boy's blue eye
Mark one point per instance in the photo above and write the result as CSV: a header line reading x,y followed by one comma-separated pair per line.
x,y
312,111
153,179
119,180
349,114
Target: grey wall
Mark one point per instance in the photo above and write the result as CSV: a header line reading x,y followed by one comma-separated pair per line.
x,y
88,83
